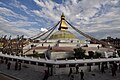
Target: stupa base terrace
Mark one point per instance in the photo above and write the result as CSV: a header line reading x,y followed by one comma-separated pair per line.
x,y
58,49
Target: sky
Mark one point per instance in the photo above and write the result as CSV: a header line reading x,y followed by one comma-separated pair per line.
x,y
98,18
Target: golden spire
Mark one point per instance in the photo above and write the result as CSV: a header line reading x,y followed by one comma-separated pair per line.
x,y
63,25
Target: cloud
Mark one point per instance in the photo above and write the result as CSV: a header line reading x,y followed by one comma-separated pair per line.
x,y
14,23
20,6
17,28
43,29
7,12
90,16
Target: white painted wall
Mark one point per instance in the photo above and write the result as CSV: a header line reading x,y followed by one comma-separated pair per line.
x,y
57,55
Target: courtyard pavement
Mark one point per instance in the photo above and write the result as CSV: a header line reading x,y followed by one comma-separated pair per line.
x,y
32,72
4,77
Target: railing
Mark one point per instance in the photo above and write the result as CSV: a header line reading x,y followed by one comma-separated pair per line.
x,y
59,63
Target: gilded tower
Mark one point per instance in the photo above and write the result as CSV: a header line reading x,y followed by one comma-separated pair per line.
x,y
63,25
63,32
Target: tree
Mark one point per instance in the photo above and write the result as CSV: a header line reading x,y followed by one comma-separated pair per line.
x,y
91,54
79,53
97,55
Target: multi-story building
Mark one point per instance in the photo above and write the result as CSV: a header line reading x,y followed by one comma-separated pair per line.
x,y
113,41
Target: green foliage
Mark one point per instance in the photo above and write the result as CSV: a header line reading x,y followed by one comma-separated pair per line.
x,y
97,55
36,55
91,54
79,53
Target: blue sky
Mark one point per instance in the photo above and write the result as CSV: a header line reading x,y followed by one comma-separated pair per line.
x,y
99,18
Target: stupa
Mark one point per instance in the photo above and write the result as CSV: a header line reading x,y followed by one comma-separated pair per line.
x,y
61,43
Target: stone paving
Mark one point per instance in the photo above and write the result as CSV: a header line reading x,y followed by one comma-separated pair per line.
x,y
32,72
3,77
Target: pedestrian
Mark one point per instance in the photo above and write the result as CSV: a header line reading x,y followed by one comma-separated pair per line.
x,y
77,69
115,66
34,51
42,44
16,65
102,68
46,75
119,66
8,65
82,75
98,47
113,71
6,61
2,61
19,66
72,77
70,72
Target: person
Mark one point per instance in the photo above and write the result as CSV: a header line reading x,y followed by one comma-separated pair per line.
x,y
98,46
42,44
46,75
6,61
49,46
34,51
102,68
70,72
113,71
2,61
8,65
72,77
19,66
119,66
115,65
77,69
82,75
16,65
